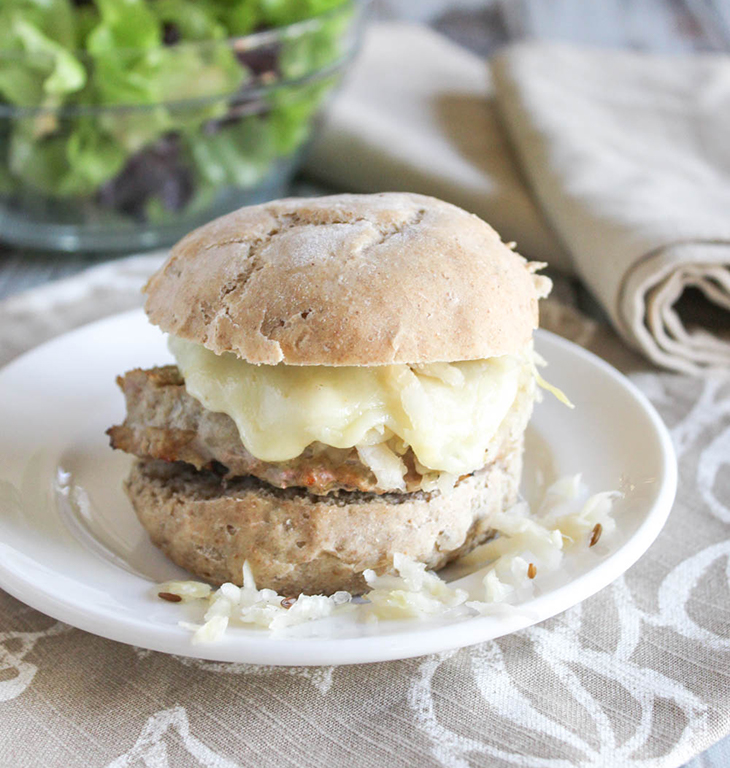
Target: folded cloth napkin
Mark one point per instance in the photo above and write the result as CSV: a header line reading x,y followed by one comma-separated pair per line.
x,y
417,114
629,156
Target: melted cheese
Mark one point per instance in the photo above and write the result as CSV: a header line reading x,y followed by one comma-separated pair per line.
x,y
446,412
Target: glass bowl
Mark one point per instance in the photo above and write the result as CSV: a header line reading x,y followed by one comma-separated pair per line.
x,y
159,141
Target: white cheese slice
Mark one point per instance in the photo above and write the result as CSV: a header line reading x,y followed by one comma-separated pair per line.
x,y
447,413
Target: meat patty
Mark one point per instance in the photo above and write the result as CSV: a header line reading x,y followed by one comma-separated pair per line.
x,y
164,422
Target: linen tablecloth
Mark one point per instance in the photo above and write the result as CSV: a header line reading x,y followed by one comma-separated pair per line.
x,y
638,675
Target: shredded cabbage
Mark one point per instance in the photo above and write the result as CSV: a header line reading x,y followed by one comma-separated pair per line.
x,y
387,466
413,593
232,605
557,393
564,520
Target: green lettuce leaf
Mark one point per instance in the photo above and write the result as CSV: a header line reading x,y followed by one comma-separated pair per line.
x,y
238,154
194,21
65,165
241,18
292,113
66,74
277,13
36,69
124,25
55,19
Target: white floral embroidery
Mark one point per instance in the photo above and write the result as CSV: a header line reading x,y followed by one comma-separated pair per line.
x,y
150,749
319,677
14,647
560,648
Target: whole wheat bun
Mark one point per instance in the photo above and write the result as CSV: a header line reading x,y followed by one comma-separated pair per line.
x,y
348,280
299,543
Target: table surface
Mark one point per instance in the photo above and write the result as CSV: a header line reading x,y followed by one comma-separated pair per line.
x,y
659,26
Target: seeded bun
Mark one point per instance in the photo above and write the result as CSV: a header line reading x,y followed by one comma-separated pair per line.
x,y
348,280
296,542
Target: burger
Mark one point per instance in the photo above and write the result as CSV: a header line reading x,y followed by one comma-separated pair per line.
x,y
354,377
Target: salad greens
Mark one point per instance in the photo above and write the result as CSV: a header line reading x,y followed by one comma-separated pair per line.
x,y
187,110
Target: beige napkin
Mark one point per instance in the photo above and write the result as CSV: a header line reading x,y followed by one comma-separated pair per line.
x,y
417,114
629,156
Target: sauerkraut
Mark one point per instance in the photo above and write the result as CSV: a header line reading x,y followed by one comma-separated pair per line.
x,y
413,593
537,541
232,605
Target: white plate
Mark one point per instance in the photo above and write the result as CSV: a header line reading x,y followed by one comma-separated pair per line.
x,y
70,544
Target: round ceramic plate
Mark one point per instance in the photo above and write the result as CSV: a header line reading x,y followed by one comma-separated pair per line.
x,y
71,546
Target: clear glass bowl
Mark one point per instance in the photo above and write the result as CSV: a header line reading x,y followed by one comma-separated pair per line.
x,y
232,123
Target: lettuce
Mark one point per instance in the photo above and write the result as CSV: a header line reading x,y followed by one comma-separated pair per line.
x,y
292,111
74,163
55,19
124,25
277,13
146,63
66,73
235,155
36,66
193,20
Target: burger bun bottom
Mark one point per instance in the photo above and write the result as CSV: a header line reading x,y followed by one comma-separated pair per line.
x,y
296,542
